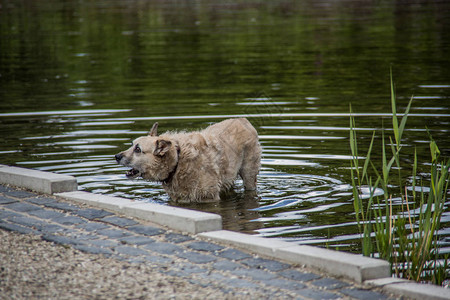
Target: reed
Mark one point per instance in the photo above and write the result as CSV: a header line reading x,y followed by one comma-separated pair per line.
x,y
405,236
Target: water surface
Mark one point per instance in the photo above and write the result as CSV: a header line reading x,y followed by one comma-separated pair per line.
x,y
80,80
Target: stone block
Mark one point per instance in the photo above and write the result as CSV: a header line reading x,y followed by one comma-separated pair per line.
x,y
163,248
136,240
177,238
419,291
363,294
3,188
204,246
41,200
69,220
329,283
27,221
94,249
53,228
22,207
351,266
91,213
20,194
16,228
384,281
226,265
100,201
128,250
193,269
268,264
44,182
146,230
176,218
336,263
118,221
6,200
317,294
113,233
89,226
62,206
173,217
233,254
46,214
247,242
196,258
284,284
62,240
299,276
255,274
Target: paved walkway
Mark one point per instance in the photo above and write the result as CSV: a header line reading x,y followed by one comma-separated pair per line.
x,y
101,232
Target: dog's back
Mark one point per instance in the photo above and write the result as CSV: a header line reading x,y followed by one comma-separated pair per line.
x,y
241,152
211,159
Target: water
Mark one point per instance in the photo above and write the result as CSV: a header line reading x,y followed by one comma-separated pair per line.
x,y
80,80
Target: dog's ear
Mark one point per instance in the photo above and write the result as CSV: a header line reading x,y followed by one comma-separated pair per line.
x,y
154,130
162,146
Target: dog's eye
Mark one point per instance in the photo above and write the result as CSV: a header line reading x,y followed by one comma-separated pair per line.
x,y
137,149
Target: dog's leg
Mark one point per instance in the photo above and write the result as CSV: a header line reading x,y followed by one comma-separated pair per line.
x,y
250,167
216,198
249,180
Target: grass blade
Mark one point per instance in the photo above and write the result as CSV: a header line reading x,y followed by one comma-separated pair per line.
x,y
394,112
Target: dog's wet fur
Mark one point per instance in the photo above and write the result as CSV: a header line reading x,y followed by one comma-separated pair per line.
x,y
197,166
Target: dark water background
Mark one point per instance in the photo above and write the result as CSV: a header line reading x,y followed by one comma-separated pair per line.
x,y
80,79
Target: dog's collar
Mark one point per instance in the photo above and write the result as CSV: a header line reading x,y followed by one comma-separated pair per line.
x,y
172,173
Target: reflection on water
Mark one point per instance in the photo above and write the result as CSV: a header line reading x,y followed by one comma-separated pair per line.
x,y
92,76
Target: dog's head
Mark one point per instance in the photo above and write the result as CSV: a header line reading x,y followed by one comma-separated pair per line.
x,y
152,157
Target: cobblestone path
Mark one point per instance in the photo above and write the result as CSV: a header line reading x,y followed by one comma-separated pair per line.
x,y
228,270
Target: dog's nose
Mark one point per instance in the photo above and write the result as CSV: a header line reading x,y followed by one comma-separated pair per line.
x,y
118,157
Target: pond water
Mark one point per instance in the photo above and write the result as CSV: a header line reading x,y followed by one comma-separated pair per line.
x,y
80,79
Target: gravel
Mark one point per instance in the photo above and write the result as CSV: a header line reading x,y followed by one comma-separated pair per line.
x,y
31,268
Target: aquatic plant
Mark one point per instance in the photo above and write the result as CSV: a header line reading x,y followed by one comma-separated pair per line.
x,y
406,235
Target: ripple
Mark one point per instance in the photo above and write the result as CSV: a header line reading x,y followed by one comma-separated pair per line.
x,y
64,112
322,128
315,156
288,162
434,86
275,116
300,137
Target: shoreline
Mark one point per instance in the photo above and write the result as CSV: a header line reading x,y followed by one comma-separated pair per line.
x,y
369,272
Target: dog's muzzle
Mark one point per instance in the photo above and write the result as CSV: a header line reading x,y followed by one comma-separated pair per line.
x,y
118,157
132,173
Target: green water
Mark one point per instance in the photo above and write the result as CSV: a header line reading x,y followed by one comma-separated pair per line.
x,y
80,79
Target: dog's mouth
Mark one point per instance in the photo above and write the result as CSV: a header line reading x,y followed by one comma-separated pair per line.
x,y
133,173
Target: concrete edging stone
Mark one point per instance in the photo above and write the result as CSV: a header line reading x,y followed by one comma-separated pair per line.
x,y
351,266
410,289
369,271
180,219
39,181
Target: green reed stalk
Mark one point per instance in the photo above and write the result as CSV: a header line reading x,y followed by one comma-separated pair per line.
x,y
407,240
362,216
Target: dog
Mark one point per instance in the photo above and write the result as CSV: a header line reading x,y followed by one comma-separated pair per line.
x,y
196,166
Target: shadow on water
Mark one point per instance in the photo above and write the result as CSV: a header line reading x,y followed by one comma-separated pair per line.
x,y
80,80
236,207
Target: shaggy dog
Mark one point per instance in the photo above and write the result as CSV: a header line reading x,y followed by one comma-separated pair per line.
x,y
196,166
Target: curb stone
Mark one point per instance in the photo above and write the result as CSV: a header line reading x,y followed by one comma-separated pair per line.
x,y
410,289
39,181
173,217
370,272
351,266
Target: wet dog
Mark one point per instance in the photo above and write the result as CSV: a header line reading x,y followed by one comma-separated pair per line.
x,y
196,166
